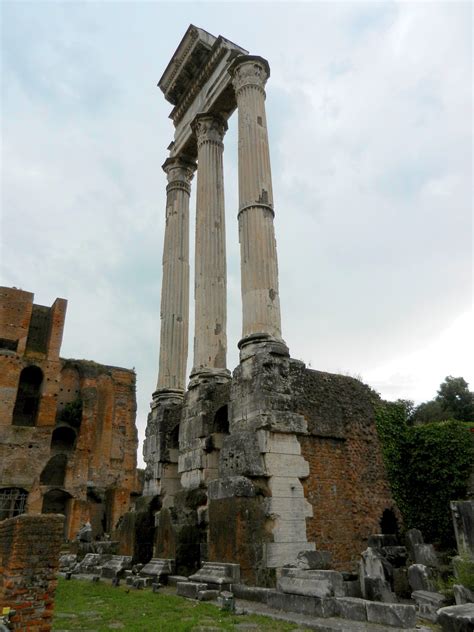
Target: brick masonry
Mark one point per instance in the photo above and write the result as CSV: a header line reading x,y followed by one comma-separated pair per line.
x,y
29,559
92,471
347,483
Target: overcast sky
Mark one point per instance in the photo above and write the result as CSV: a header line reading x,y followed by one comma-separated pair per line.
x,y
369,114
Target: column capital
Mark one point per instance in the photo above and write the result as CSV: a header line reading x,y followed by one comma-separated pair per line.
x,y
249,70
209,128
180,171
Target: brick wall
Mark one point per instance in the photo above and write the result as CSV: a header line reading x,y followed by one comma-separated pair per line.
x,y
29,559
347,485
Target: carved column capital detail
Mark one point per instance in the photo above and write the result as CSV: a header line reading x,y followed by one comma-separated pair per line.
x,y
209,128
249,71
180,172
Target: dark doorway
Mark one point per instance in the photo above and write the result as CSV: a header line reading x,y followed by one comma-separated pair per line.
x,y
54,472
389,522
28,396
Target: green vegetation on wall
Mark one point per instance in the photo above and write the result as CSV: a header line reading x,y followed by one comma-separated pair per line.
x,y
428,466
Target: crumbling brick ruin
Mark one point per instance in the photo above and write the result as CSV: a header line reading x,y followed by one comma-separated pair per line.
x,y
68,439
29,561
254,467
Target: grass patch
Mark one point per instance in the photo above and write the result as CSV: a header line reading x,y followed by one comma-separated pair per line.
x,y
99,607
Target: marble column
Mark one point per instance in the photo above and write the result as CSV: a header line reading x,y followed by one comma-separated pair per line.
x,y
210,288
174,311
259,265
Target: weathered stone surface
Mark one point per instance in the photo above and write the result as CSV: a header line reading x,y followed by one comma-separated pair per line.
x,y
372,564
190,589
352,608
316,583
240,456
303,604
412,537
425,554
457,618
217,573
377,589
420,577
428,603
463,520
116,566
67,562
251,593
158,568
230,487
399,615
207,595
462,595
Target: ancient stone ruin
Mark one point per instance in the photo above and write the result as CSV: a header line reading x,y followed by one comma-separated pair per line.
x,y
68,439
276,459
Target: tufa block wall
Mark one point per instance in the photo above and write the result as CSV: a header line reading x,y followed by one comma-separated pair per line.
x,y
29,560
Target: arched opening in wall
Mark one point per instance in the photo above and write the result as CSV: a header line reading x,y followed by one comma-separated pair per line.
x,y
389,522
221,420
12,502
54,472
57,501
63,439
28,396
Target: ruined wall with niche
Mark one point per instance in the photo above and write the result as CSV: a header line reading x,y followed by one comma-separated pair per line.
x,y
347,483
68,438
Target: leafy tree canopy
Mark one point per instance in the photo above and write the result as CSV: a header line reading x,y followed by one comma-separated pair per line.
x,y
454,400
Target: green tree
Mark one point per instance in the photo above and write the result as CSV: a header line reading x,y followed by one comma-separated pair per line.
x,y
456,399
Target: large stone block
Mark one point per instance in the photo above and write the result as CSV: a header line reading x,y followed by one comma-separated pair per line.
x,y
116,566
240,456
292,465
462,595
302,604
158,568
394,614
312,583
352,608
217,573
413,537
420,577
457,618
428,603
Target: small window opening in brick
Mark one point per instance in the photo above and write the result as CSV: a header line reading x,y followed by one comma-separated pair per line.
x,y
12,502
28,396
63,439
54,472
389,522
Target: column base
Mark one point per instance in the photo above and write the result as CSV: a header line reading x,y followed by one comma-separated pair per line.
x,y
203,375
259,342
168,396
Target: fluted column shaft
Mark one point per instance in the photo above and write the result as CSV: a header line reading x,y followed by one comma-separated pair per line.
x,y
210,337
259,264
174,312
